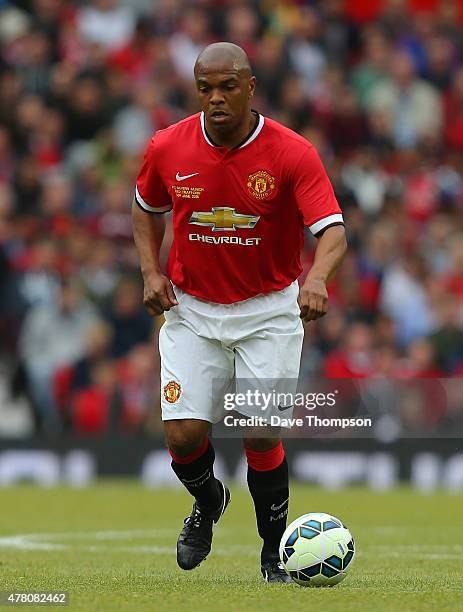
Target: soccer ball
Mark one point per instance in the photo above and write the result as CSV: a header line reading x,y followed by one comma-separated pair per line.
x,y
317,550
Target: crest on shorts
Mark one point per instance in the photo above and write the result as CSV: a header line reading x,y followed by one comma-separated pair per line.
x,y
172,391
261,184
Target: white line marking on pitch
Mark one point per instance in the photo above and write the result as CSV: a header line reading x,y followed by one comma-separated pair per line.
x,y
41,541
24,542
101,539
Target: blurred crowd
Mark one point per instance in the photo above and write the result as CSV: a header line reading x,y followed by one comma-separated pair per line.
x,y
378,89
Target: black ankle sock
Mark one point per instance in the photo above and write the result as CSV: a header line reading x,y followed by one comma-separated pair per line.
x,y
270,493
198,478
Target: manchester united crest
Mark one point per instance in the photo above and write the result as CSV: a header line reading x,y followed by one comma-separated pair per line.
x,y
261,184
172,391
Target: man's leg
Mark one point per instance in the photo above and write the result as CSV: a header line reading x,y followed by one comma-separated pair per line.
x,y
192,359
193,462
269,487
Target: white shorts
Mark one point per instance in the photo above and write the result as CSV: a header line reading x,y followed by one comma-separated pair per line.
x,y
206,346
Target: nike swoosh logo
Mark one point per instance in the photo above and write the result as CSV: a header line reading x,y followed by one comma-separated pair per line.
x,y
275,508
281,408
179,177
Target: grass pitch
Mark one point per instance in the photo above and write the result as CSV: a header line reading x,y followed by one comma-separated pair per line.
x,y
111,546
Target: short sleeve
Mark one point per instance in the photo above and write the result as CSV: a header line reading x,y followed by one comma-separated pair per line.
x,y
150,192
314,194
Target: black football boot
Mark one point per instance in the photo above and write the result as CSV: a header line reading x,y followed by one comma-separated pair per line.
x,y
195,539
273,571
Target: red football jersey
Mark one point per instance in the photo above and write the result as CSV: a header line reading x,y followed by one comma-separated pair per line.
x,y
238,214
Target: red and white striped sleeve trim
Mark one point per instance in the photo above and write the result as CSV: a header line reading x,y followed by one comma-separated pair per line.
x,y
322,224
141,202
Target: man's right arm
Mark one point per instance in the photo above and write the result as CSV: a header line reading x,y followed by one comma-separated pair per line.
x,y
148,233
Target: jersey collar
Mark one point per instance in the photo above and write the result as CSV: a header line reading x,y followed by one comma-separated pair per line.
x,y
249,138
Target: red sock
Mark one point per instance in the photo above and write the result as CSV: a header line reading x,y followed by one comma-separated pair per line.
x,y
264,461
192,456
268,484
196,473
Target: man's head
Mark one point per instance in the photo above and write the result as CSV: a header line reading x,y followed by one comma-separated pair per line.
x,y
225,85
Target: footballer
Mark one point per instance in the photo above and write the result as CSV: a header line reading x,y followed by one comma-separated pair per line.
x,y
241,188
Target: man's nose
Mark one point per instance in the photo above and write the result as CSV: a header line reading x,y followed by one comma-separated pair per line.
x,y
216,97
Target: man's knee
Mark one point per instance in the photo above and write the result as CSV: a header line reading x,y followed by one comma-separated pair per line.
x,y
185,436
260,444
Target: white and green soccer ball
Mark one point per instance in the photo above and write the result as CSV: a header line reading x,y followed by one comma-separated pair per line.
x,y
317,550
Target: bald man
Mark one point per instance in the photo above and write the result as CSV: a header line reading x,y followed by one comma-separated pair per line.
x,y
241,188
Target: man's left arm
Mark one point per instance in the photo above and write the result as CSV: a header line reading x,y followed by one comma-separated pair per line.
x,y
329,253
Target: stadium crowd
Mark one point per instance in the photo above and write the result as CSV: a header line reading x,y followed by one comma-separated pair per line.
x,y
376,87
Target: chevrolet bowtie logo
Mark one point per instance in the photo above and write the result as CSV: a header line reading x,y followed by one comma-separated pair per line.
x,y
223,219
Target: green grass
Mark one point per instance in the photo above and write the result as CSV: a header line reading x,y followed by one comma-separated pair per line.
x,y
111,546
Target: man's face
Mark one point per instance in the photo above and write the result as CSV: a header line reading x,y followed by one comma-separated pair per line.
x,y
224,94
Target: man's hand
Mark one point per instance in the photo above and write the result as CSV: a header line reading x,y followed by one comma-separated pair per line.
x,y
158,294
313,299
329,253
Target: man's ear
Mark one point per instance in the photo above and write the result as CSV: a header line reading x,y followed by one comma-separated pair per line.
x,y
251,87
